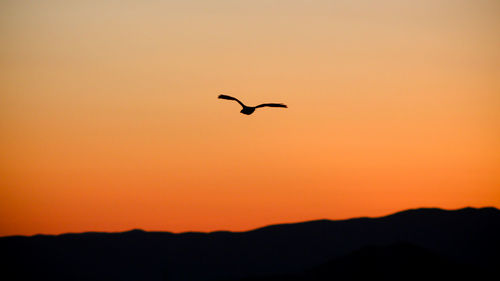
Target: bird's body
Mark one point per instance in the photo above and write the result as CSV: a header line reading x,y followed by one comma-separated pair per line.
x,y
247,110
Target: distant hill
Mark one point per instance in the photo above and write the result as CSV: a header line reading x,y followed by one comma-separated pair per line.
x,y
463,241
401,261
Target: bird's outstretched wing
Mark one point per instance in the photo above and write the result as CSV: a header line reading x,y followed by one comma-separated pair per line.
x,y
225,97
272,105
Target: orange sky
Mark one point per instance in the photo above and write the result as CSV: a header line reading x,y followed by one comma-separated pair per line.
x,y
109,117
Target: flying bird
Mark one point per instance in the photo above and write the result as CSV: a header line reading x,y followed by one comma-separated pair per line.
x,y
250,109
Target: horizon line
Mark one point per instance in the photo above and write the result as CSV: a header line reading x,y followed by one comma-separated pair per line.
x,y
252,229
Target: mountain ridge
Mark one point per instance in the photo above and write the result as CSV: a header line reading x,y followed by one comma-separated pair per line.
x,y
406,211
467,236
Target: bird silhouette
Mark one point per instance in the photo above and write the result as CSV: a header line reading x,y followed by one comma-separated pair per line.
x,y
250,109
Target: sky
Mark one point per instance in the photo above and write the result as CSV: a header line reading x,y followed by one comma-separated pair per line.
x,y
109,117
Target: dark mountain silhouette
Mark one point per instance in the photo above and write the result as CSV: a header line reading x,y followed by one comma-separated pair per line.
x,y
466,239
401,261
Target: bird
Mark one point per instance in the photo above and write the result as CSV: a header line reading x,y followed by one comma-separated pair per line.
x,y
250,109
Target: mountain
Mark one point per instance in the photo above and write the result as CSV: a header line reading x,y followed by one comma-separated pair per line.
x,y
400,261
466,239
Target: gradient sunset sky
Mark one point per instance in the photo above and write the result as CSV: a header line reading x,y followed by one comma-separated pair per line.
x,y
109,117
